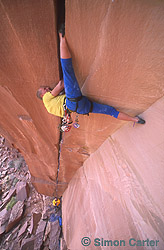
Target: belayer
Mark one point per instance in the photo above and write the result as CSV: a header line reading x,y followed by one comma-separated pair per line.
x,y
73,99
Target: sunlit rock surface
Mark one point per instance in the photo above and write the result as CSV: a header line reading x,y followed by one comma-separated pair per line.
x,y
117,55
118,193
117,50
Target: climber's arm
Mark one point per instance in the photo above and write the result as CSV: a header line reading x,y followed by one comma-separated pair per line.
x,y
58,88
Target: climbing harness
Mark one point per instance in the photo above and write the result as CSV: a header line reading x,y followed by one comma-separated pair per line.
x,y
66,122
77,99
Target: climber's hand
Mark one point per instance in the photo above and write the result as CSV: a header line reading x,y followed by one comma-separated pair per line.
x,y
58,88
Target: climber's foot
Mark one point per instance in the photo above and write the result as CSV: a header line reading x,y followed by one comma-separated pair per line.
x,y
61,30
140,120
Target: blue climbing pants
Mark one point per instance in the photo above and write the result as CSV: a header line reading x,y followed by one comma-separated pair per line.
x,y
72,90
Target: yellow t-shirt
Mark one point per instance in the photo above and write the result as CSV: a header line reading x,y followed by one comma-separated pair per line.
x,y
54,104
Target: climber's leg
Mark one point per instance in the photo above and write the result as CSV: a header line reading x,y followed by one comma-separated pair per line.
x,y
71,85
108,110
72,89
125,117
104,109
64,50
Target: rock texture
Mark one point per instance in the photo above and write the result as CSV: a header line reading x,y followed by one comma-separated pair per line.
x,y
117,55
117,50
113,65
118,193
28,45
15,216
26,217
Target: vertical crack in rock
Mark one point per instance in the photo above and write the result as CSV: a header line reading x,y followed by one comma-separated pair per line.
x,y
60,15
60,18
59,152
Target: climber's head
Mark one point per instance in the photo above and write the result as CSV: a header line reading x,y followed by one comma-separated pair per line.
x,y
42,90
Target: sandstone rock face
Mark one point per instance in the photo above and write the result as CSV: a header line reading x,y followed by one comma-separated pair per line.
x,y
117,56
118,193
28,45
117,50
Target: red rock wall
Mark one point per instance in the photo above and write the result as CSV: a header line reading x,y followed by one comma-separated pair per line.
x,y
118,59
117,56
117,49
28,59
118,193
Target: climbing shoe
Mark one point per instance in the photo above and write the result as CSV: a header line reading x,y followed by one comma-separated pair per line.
x,y
62,29
140,121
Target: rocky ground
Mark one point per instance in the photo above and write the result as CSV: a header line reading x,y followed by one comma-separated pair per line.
x,y
28,220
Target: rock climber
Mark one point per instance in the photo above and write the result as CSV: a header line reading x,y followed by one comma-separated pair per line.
x,y
73,97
